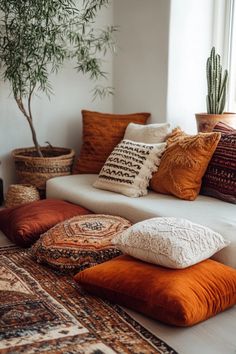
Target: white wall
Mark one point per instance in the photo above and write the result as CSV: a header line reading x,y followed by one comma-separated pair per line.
x,y
190,41
57,120
140,68
159,68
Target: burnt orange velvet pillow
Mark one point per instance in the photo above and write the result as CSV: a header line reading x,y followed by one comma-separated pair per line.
x,y
184,163
101,133
180,297
25,223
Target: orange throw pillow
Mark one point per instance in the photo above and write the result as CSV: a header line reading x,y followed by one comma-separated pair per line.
x,y
101,133
180,297
184,163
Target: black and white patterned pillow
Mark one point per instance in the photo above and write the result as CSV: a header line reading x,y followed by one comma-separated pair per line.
x,y
129,168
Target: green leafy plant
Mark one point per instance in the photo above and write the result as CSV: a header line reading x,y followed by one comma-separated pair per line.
x,y
37,36
216,85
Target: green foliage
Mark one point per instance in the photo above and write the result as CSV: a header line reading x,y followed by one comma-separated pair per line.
x,y
37,36
216,97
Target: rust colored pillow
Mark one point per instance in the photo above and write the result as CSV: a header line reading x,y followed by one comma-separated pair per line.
x,y
219,180
180,297
80,242
101,133
184,163
25,223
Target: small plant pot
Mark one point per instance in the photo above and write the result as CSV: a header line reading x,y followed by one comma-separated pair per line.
x,y
34,170
206,122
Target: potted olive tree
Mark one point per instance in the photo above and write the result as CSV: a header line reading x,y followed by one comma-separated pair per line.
x,y
216,96
36,37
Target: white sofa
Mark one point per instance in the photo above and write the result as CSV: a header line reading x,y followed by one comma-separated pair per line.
x,y
216,214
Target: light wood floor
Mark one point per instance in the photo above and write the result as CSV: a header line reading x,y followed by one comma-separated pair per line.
x,y
214,336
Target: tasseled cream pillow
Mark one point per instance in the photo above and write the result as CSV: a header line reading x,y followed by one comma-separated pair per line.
x,y
129,168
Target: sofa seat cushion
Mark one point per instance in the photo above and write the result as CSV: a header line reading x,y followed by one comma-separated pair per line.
x,y
213,213
80,242
181,297
24,224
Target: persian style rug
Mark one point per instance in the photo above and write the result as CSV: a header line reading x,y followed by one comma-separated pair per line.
x,y
46,312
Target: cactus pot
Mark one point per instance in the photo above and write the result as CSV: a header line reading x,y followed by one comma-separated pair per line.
x,y
206,122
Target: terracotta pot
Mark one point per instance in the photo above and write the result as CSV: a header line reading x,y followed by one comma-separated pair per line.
x,y
206,122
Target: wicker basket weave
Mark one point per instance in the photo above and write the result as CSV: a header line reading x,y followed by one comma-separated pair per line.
x,y
34,170
20,194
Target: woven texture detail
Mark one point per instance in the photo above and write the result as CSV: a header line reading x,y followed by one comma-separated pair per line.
x,y
149,134
220,178
80,242
129,168
184,163
101,133
31,169
170,242
19,194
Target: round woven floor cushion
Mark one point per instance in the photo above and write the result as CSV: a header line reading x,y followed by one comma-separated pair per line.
x,y
80,242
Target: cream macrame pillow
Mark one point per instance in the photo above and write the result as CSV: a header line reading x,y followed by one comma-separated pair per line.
x,y
170,242
129,168
151,133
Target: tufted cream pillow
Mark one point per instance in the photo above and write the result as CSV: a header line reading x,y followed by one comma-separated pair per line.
x,y
129,168
170,242
149,134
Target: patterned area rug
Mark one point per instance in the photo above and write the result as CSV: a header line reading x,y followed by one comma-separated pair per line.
x,y
45,312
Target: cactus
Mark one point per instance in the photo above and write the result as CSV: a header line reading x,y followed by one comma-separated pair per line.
x,y
216,97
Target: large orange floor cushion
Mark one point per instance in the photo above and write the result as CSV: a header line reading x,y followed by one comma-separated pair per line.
x,y
25,223
180,297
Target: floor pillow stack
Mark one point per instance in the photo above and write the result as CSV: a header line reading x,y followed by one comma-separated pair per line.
x,y
169,276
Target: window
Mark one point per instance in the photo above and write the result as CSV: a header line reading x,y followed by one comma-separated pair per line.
x,y
232,58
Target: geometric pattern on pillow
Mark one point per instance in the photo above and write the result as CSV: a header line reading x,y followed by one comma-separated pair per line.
x,y
181,297
80,242
150,133
129,168
170,242
220,178
24,224
101,133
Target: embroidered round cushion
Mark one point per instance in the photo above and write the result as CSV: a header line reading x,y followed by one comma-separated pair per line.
x,y
80,242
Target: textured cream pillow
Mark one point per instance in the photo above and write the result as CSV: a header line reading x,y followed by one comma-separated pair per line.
x,y
170,242
129,168
149,134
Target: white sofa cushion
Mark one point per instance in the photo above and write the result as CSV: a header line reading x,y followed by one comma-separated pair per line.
x,y
213,213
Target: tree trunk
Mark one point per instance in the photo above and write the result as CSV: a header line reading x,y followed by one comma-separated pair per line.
x,y
28,116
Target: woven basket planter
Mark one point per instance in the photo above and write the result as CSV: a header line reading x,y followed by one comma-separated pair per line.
x,y
34,170
19,194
